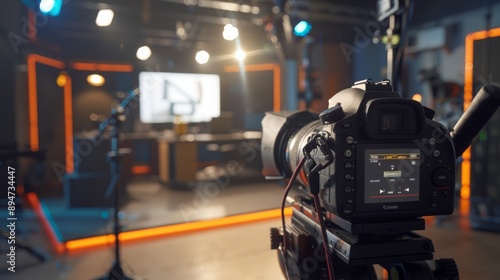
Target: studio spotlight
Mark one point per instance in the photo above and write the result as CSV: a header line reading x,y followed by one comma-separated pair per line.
x,y
202,57
230,32
143,53
95,80
104,17
62,79
239,55
302,28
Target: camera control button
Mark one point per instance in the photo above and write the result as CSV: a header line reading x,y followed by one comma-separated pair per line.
x,y
348,189
348,176
349,140
432,141
348,165
346,125
436,153
434,201
348,153
347,209
440,177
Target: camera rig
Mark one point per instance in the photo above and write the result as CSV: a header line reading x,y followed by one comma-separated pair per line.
x,y
373,165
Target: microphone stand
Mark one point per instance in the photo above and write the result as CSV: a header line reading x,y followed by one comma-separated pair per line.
x,y
114,121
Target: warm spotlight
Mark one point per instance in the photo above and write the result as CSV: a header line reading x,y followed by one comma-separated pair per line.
x,y
417,97
143,53
104,17
239,55
202,57
230,32
62,79
95,80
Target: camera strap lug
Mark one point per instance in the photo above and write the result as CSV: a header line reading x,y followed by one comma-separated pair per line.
x,y
320,143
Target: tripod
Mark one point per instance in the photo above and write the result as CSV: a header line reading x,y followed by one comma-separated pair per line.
x,y
114,121
406,255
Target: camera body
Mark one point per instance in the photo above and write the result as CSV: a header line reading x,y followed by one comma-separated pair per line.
x,y
392,162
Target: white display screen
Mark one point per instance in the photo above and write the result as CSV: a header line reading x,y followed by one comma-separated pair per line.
x,y
194,97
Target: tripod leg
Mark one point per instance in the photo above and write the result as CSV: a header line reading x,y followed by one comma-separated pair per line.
x,y
22,244
116,273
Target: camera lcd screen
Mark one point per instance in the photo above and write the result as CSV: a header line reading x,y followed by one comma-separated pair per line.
x,y
391,175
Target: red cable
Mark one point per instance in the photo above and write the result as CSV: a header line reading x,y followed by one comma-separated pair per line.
x,y
285,195
329,264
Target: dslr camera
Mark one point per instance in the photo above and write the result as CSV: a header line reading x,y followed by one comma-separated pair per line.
x,y
370,167
392,162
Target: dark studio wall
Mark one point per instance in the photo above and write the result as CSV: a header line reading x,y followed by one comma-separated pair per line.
x,y
7,101
10,25
247,96
92,104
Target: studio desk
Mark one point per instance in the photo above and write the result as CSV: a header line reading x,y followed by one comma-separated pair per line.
x,y
180,157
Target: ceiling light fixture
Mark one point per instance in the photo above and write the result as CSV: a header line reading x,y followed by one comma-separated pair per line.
x,y
104,17
143,53
95,80
202,57
230,32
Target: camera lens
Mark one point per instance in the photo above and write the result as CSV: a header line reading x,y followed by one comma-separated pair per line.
x,y
284,135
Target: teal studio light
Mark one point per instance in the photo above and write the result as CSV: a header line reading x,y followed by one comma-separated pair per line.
x,y
50,7
302,28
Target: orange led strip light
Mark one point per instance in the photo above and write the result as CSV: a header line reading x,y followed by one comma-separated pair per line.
x,y
468,94
49,230
83,66
84,244
141,169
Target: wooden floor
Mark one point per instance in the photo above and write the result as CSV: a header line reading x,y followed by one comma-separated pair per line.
x,y
241,252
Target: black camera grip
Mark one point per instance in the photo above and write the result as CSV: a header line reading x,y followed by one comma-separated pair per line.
x,y
483,106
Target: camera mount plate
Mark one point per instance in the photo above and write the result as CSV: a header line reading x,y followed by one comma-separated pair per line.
x,y
368,249
393,227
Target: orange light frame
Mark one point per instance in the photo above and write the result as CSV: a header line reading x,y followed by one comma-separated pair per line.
x,y
84,244
276,79
32,60
468,94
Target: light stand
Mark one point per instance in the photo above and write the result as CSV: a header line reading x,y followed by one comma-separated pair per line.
x,y
114,121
